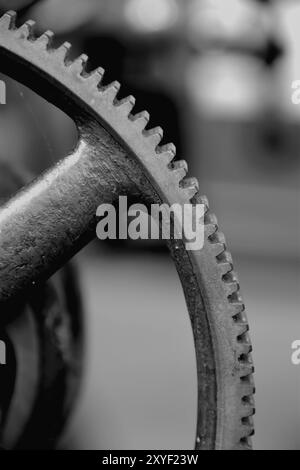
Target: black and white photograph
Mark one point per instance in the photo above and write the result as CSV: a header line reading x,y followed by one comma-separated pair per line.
x,y
149,229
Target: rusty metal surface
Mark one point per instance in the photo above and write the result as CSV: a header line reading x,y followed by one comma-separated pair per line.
x,y
52,218
44,353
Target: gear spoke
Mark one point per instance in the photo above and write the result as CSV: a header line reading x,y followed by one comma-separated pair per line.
x,y
119,154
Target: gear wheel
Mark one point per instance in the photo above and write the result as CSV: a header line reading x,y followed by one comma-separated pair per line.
x,y
44,341
117,154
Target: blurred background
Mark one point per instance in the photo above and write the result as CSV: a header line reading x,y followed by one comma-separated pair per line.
x,y
217,76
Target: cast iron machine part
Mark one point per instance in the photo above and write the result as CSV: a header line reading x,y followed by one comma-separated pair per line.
x,y
43,343
53,217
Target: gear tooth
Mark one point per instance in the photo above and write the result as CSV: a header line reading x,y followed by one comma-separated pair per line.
x,y
63,51
218,249
249,405
166,153
232,282
45,40
243,348
221,238
241,327
154,135
246,358
231,287
236,298
179,169
224,267
78,66
248,381
95,77
244,338
246,429
247,386
8,20
218,238
26,31
217,241
240,319
140,120
211,219
203,200
244,445
231,277
228,257
249,423
110,91
211,227
245,368
126,105
180,165
190,186
237,308
167,148
225,259
248,409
